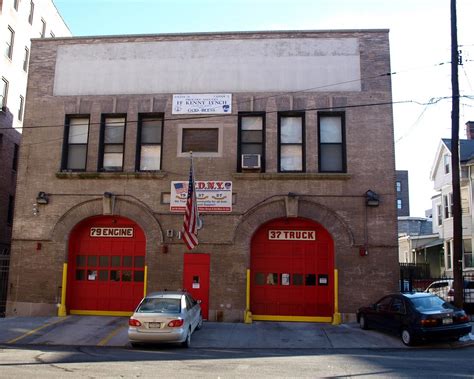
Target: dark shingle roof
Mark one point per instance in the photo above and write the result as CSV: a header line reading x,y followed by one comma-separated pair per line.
x,y
466,148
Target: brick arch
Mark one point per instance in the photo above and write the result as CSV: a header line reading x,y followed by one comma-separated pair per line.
x,y
252,220
131,210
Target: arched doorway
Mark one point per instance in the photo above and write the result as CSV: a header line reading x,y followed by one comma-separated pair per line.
x,y
292,271
106,266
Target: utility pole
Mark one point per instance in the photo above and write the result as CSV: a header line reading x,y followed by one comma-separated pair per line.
x,y
456,186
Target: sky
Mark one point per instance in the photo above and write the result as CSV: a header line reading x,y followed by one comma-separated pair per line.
x,y
420,45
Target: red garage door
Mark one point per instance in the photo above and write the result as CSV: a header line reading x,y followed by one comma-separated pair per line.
x,y
106,266
292,271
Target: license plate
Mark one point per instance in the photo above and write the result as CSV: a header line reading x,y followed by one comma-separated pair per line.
x,y
154,324
447,320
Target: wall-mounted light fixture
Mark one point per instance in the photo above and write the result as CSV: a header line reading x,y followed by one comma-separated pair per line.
x,y
108,203
42,198
372,199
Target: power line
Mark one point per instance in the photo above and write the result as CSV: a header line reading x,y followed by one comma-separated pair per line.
x,y
299,110
186,118
270,96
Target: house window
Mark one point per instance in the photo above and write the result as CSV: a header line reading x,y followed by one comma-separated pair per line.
x,y
16,149
43,28
332,154
399,203
75,145
447,162
112,143
203,140
16,3
20,108
150,133
465,201
449,263
399,186
11,207
451,204
9,42
3,92
468,258
439,214
446,206
291,142
251,137
26,59
32,12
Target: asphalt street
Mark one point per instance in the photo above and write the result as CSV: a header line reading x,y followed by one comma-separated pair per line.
x,y
172,362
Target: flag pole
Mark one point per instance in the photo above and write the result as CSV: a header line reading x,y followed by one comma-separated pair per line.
x,y
191,215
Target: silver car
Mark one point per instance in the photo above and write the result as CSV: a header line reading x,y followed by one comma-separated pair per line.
x,y
445,290
163,317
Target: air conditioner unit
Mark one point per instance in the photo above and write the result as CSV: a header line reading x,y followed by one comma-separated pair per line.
x,y
250,161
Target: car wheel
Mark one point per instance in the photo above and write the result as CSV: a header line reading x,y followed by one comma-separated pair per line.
x,y
407,337
199,325
187,342
363,322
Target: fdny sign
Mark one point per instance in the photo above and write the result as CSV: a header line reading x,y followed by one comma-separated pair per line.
x,y
111,232
292,235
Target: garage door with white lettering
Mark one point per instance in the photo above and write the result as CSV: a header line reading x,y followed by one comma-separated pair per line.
x,y
292,269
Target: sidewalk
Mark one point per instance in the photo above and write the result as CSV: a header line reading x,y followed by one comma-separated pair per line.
x,y
112,331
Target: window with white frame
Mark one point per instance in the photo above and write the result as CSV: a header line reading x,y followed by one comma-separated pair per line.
x,y
439,213
112,143
149,144
251,138
20,108
399,186
399,204
446,206
465,200
26,58
332,152
451,205
9,42
291,142
447,163
43,28
76,137
468,257
3,92
449,258
32,12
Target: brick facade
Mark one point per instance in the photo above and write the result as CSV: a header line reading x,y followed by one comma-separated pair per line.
x,y
335,200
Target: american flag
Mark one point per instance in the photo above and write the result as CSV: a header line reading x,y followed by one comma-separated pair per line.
x,y
179,188
191,214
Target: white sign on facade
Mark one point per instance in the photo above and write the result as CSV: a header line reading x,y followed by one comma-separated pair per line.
x,y
111,232
213,196
292,235
202,104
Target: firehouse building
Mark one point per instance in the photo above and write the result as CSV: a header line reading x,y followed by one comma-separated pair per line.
x,y
291,135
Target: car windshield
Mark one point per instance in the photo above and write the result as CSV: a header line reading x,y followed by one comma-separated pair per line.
x,y
160,305
430,303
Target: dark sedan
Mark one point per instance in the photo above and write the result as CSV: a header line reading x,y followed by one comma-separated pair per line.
x,y
415,317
